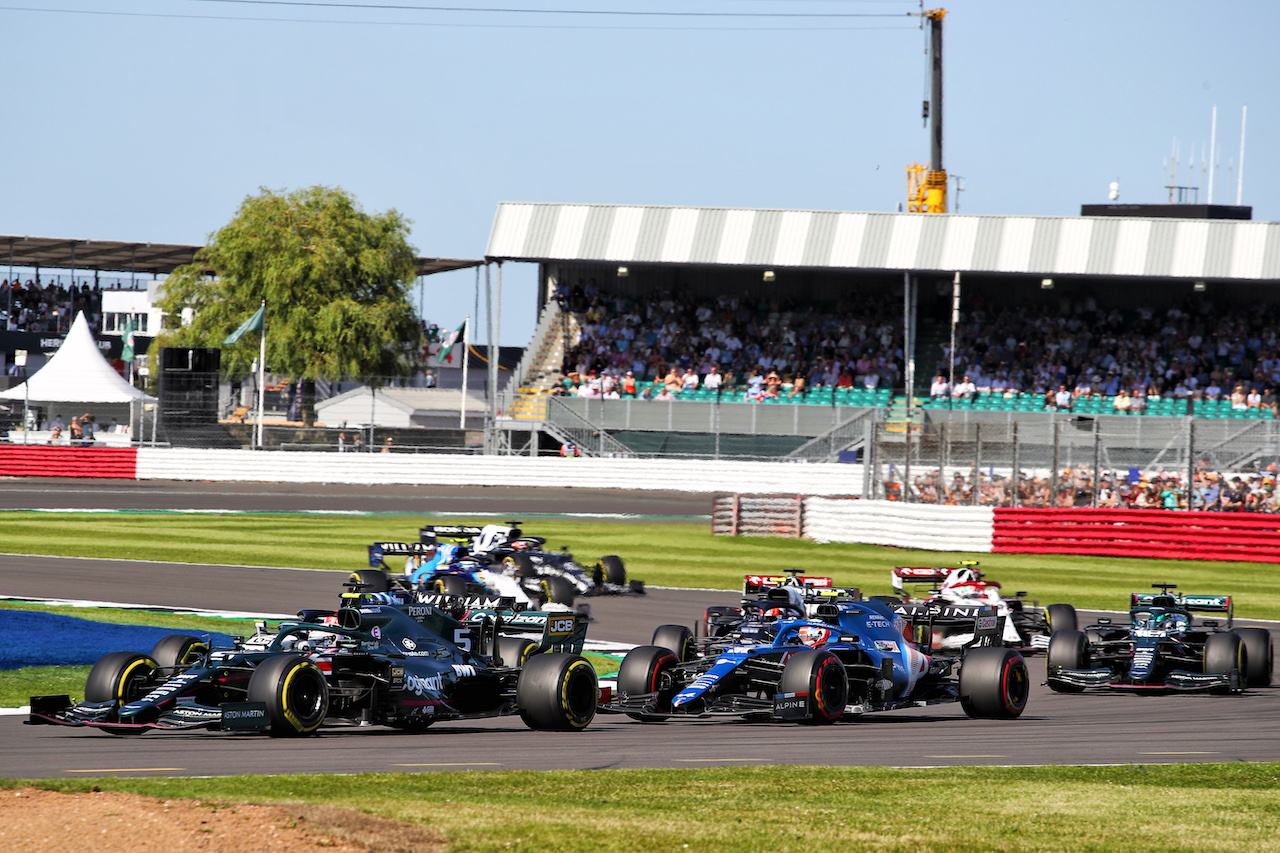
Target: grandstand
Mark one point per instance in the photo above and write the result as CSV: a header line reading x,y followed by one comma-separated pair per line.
x,y
1142,319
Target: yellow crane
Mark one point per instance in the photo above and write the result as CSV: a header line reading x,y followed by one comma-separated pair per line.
x,y
927,184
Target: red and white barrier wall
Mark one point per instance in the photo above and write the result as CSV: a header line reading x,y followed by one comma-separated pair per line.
x,y
1108,532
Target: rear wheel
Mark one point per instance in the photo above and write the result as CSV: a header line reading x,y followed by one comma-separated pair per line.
x,y
678,638
641,673
615,572
451,585
1061,617
371,580
1066,651
1259,658
294,691
994,683
821,677
516,651
557,692
178,650
558,590
519,566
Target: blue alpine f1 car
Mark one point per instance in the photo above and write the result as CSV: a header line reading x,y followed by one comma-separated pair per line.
x,y
818,654
1162,649
378,659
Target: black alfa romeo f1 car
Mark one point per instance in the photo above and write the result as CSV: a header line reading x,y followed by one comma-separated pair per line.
x,y
400,665
1162,649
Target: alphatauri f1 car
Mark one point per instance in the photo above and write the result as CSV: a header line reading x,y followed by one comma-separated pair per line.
x,y
1027,625
403,665
1162,649
817,654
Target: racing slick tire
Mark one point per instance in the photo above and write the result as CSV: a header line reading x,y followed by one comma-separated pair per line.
x,y
994,683
519,566
451,585
122,677
1259,658
557,590
178,650
295,692
1061,617
678,638
1066,651
641,672
516,651
615,572
557,692
374,580
1225,653
819,675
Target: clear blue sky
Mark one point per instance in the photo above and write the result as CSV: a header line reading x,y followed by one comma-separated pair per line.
x,y
154,121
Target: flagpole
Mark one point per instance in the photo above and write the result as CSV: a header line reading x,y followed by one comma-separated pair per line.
x,y
262,372
462,409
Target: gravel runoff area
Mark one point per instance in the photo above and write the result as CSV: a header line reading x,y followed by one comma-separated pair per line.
x,y
52,822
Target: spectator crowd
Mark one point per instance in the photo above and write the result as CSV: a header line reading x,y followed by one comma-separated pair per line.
x,y
735,346
48,307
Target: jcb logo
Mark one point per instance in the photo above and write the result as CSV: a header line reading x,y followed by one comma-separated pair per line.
x,y
560,626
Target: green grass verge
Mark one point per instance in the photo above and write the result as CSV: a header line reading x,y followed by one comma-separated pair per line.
x,y
667,554
1140,809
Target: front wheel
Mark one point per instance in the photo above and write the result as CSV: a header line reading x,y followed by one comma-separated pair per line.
x,y
994,683
295,693
615,572
819,676
1224,653
1066,651
451,585
641,673
557,692
121,677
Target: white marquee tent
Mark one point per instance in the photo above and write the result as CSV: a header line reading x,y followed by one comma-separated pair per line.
x,y
79,373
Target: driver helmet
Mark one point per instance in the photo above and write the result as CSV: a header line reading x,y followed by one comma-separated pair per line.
x,y
962,576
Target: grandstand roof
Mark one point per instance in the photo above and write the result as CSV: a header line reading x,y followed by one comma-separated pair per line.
x,y
1034,245
154,258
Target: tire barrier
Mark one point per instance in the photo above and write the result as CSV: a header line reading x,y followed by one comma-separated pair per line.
x,y
758,515
30,461
1164,534
925,526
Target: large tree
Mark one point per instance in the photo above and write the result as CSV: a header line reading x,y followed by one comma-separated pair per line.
x,y
335,279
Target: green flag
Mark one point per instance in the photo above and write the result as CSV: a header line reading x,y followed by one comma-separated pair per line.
x,y
126,336
253,324
448,340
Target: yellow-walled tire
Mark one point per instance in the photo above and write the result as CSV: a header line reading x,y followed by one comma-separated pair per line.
x,y
295,692
557,692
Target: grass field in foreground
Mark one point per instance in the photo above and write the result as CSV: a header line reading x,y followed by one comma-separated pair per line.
x,y
1138,809
667,554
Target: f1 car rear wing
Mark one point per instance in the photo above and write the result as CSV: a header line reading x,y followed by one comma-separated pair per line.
x,y
559,631
926,574
379,551
430,534
988,624
755,584
1191,603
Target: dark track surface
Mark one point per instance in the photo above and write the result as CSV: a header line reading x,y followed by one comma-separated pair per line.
x,y
1091,728
66,493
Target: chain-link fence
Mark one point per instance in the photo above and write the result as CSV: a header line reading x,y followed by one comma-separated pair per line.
x,y
1072,461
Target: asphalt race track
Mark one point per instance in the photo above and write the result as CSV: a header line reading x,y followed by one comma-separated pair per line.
x,y
1093,728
